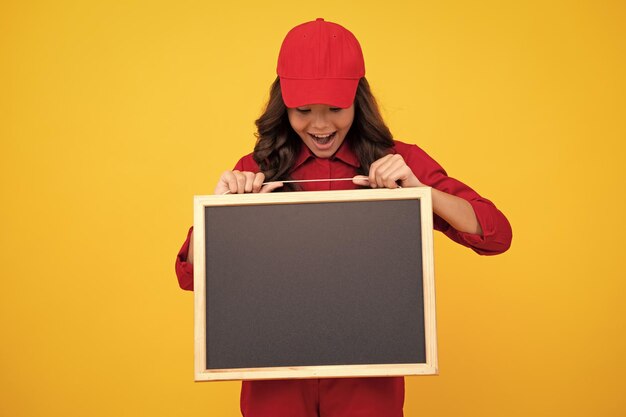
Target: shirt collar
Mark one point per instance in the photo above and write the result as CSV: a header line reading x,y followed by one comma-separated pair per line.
x,y
347,155
344,154
303,155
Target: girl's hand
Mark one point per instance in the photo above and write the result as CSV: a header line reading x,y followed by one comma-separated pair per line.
x,y
239,182
458,212
386,171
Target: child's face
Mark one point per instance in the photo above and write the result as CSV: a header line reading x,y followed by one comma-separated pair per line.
x,y
321,127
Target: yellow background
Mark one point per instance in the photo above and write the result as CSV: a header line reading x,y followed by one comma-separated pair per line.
x,y
114,114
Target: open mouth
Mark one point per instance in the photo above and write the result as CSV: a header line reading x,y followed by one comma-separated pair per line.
x,y
323,139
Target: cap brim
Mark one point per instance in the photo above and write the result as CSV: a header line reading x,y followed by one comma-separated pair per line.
x,y
338,92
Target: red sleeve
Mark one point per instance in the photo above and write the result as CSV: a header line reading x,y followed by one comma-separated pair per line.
x,y
184,269
247,163
496,228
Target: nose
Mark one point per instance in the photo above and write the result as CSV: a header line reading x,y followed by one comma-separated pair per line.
x,y
320,121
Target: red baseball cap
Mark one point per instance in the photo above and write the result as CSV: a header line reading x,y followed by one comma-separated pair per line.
x,y
320,63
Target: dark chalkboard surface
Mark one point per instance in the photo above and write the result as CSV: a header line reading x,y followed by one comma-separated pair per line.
x,y
329,286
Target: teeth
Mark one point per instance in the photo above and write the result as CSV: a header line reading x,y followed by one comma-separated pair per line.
x,y
322,136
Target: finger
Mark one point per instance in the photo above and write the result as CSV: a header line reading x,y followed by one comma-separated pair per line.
x,y
390,177
379,166
361,180
382,172
372,173
408,179
271,186
394,170
229,179
258,182
249,177
241,182
403,174
378,174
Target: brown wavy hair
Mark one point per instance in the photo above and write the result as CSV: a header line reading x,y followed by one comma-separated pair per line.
x,y
278,144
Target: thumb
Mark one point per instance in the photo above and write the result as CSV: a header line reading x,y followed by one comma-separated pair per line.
x,y
361,180
271,186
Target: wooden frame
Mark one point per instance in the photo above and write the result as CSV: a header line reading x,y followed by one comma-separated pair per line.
x,y
422,194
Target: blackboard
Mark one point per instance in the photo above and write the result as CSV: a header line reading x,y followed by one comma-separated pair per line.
x,y
314,284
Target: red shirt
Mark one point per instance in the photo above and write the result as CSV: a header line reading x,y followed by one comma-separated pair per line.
x,y
496,229
367,397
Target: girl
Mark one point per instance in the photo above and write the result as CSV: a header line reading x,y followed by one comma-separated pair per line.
x,y
322,122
